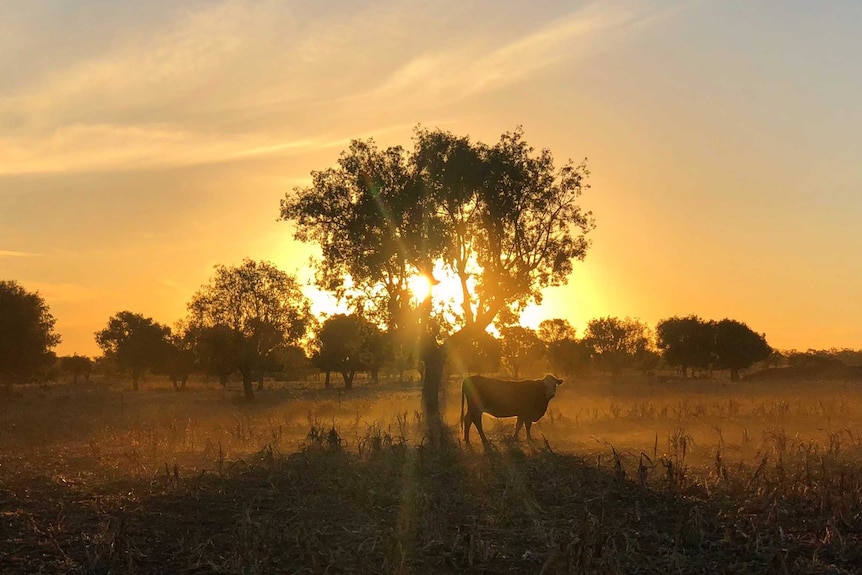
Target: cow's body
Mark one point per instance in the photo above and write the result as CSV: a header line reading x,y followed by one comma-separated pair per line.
x,y
526,400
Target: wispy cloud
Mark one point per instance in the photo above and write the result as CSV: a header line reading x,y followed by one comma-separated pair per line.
x,y
235,79
476,67
16,254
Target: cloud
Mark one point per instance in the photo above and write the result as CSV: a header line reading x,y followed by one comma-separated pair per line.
x,y
16,254
230,80
91,147
471,69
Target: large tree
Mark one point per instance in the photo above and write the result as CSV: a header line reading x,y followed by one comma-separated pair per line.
x,y
737,347
260,305
136,343
616,343
26,332
686,342
502,219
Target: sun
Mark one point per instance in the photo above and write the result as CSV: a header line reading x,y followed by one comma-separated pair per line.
x,y
419,286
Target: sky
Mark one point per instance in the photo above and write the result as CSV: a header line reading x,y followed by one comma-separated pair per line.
x,y
142,143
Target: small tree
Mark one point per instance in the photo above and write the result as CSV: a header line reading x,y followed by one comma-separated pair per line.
x,y
217,350
687,342
347,344
557,329
737,347
615,342
26,332
565,354
521,348
77,365
476,354
179,362
136,343
262,307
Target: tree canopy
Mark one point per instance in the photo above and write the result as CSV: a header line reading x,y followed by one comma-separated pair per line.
x,y
616,342
686,342
261,305
26,332
521,348
565,353
136,343
348,344
737,346
76,365
502,219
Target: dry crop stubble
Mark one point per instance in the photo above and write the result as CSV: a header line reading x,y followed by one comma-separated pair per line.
x,y
629,478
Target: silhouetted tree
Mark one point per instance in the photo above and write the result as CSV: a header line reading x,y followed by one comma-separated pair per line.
x,y
77,365
179,361
262,306
566,355
521,347
501,218
615,342
687,342
136,343
26,333
557,329
376,350
475,353
347,344
217,349
292,362
737,347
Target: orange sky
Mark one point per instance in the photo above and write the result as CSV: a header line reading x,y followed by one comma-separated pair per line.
x,y
143,142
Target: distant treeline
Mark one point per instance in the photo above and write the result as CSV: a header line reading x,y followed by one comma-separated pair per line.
x,y
502,221
253,320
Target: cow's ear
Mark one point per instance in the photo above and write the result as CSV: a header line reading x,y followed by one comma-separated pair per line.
x,y
559,382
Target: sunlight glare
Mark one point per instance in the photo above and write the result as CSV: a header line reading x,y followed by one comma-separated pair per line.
x,y
419,286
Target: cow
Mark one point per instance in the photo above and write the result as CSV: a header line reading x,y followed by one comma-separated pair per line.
x,y
526,400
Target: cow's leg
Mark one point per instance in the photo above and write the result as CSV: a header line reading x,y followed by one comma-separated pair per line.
x,y
478,421
468,421
518,428
528,424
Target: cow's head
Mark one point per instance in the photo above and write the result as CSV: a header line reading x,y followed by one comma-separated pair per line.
x,y
551,384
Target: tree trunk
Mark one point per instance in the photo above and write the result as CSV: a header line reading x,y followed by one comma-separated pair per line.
x,y
348,379
327,383
734,374
260,381
222,379
74,379
247,386
375,376
432,380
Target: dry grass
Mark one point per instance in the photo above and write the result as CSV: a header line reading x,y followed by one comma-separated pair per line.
x,y
695,477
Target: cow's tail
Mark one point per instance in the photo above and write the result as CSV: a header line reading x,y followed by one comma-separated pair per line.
x,y
463,395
